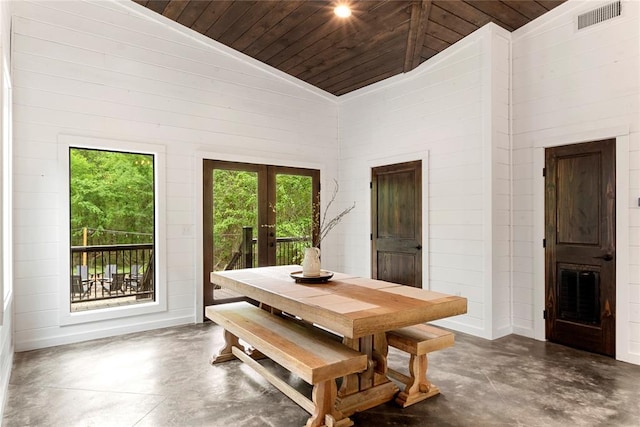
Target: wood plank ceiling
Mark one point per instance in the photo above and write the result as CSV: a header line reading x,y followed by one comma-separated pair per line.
x,y
381,38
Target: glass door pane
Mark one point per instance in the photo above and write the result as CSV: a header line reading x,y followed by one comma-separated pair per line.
x,y
235,219
294,217
254,216
232,206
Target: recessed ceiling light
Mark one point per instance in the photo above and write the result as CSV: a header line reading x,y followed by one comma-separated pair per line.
x,y
342,10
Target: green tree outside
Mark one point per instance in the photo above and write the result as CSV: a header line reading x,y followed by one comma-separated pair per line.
x,y
112,195
235,205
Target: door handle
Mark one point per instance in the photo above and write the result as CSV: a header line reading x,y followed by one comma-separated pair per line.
x,y
606,257
419,247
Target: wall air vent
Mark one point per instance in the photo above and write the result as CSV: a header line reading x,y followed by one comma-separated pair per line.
x,y
600,14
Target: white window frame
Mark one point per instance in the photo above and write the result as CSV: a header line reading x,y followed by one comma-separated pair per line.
x,y
65,143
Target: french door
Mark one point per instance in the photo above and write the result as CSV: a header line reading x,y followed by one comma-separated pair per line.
x,y
256,215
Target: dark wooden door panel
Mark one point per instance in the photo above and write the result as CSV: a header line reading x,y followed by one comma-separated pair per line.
x,y
580,251
396,201
396,219
578,199
393,267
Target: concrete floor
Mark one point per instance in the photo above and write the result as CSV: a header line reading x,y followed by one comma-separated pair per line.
x,y
163,378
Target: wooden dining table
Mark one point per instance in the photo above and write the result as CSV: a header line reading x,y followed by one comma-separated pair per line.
x,y
358,309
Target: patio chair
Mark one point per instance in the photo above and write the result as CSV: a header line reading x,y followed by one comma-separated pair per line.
x,y
116,284
107,277
76,286
135,276
109,270
82,271
147,283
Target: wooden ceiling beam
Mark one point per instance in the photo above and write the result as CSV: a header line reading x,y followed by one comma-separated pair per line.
x,y
417,30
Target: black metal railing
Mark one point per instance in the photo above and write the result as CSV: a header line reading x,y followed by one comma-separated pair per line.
x,y
289,250
112,272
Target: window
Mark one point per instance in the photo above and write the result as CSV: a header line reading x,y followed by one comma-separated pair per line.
x,y
113,234
112,225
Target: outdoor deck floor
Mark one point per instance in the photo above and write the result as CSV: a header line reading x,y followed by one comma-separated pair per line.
x,y
105,303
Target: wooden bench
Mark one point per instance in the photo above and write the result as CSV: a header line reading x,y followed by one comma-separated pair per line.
x,y
310,354
417,340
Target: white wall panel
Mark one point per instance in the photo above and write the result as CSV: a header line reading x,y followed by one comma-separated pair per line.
x,y
498,147
117,71
573,86
439,108
7,290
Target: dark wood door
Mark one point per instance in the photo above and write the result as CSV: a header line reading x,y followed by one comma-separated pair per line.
x,y
580,251
396,209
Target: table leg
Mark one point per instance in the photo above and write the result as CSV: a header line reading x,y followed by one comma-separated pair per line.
x,y
379,356
350,383
372,387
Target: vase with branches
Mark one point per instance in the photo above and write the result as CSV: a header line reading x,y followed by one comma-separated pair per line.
x,y
311,262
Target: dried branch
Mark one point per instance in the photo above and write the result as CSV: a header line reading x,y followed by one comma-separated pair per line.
x,y
325,227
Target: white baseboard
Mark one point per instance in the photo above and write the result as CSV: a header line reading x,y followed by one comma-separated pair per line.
x,y
632,358
502,332
5,375
462,327
525,332
38,343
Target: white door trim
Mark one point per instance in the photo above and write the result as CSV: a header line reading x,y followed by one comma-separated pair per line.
x,y
621,136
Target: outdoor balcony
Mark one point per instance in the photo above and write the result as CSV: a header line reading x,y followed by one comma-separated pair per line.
x,y
111,275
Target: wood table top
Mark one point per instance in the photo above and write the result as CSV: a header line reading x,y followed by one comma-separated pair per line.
x,y
348,305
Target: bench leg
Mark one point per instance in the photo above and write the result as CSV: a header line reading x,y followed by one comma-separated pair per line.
x,y
418,388
325,413
225,354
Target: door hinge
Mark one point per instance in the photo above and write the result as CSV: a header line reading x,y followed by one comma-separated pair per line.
x,y
370,184
544,171
544,243
544,314
371,236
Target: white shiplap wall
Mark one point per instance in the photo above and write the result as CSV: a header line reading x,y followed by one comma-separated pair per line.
x,y
498,175
117,71
451,112
6,285
574,86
